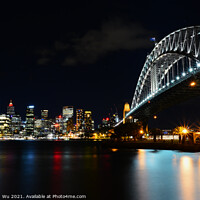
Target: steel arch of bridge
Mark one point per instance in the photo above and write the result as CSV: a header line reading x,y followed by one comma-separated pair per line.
x,y
174,59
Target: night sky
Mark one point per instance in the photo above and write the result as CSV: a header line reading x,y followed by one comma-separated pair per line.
x,y
87,54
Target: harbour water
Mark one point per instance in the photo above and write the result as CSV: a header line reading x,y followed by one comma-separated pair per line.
x,y
86,168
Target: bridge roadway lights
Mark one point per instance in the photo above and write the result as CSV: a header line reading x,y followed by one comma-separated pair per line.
x,y
181,92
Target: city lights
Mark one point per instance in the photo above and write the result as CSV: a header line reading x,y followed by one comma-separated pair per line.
x,y
192,84
184,131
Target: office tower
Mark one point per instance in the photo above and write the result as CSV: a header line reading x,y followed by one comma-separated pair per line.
x,y
4,124
79,119
88,124
44,114
93,125
15,125
70,125
30,120
59,124
68,113
38,126
10,109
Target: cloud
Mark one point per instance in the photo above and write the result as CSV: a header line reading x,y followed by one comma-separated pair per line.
x,y
43,61
112,36
59,46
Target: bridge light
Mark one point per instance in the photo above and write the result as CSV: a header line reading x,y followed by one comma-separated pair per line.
x,y
192,84
198,64
190,69
183,74
177,78
172,81
167,84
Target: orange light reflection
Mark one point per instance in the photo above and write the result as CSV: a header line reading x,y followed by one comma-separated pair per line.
x,y
141,158
187,178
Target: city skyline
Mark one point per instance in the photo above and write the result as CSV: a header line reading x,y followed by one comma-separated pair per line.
x,y
100,100
49,66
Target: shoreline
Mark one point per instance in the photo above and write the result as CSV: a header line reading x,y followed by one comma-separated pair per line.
x,y
123,144
152,145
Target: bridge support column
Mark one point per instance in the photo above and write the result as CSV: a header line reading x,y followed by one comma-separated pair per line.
x,y
145,126
154,81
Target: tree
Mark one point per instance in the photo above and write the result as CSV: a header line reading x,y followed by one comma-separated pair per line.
x,y
183,132
129,129
155,132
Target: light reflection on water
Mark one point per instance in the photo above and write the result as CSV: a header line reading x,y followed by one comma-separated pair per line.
x,y
169,175
187,186
99,173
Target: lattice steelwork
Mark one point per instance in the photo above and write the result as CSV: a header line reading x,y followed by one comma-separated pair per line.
x,y
174,59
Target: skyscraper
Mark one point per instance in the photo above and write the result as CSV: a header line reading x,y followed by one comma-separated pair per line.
x,y
4,124
10,109
44,114
15,125
68,112
30,120
88,122
79,119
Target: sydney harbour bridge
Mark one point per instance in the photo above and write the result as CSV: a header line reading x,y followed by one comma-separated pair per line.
x,y
170,75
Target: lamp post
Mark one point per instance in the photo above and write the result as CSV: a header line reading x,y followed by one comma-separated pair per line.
x,y
184,131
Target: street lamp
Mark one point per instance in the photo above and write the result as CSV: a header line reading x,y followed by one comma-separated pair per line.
x,y
192,84
141,131
184,131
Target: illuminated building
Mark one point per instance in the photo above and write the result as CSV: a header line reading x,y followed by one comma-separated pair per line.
x,y
44,114
59,119
93,125
30,120
10,109
68,112
125,111
38,123
70,125
15,124
4,124
59,123
109,121
114,120
46,126
79,119
37,126
105,122
88,122
15,120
